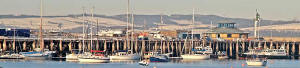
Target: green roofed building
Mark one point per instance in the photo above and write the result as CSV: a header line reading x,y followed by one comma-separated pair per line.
x,y
227,31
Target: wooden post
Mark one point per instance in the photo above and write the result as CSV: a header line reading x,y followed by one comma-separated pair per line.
x,y
271,45
80,46
143,47
89,46
180,48
177,50
277,44
113,46
51,45
168,46
4,45
288,48
105,45
136,46
293,48
97,45
265,45
230,48
60,45
33,45
249,47
118,45
217,47
155,46
14,45
125,45
70,46
237,49
243,47
24,46
172,46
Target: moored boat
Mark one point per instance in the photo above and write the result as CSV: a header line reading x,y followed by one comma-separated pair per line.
x,y
196,56
124,55
93,58
256,62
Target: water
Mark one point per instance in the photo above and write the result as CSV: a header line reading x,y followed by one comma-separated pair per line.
x,y
212,63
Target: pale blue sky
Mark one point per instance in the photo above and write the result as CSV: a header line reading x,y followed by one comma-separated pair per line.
x,y
269,9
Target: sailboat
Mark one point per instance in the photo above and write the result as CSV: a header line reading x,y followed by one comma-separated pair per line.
x,y
74,56
126,54
94,56
39,53
195,55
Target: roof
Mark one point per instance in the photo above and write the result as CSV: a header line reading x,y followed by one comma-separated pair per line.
x,y
226,30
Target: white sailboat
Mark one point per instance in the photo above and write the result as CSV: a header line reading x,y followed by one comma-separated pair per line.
x,y
127,55
195,55
74,56
93,56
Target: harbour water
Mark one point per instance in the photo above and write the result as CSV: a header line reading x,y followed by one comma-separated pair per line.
x,y
212,63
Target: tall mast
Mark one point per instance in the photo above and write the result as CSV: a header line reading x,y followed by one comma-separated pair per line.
x,y
127,29
161,22
92,11
41,26
132,26
83,29
193,22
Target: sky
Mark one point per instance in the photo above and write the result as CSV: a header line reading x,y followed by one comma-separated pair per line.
x,y
268,9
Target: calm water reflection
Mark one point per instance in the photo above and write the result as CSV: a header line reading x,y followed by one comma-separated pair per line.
x,y
176,63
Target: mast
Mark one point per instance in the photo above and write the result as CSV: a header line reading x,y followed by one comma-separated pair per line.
x,y
83,29
161,22
127,29
92,11
132,33
193,22
41,26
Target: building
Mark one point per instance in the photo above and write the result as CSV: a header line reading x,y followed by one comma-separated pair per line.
x,y
226,31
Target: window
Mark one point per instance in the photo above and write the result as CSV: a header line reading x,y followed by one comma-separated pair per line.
x,y
228,35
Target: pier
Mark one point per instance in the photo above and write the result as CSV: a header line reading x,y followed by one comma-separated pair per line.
x,y
233,49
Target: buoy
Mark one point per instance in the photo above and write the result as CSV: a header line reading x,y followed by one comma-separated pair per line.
x,y
243,65
154,67
231,67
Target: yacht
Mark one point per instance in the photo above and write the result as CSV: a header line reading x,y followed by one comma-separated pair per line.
x,y
12,56
124,55
157,57
269,53
88,57
38,54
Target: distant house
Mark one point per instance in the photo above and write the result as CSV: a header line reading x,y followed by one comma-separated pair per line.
x,y
226,31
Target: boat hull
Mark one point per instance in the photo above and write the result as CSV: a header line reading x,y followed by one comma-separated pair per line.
x,y
89,60
125,57
256,63
223,57
72,57
197,57
154,59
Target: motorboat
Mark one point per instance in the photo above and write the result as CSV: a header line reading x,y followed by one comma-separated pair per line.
x,y
144,63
